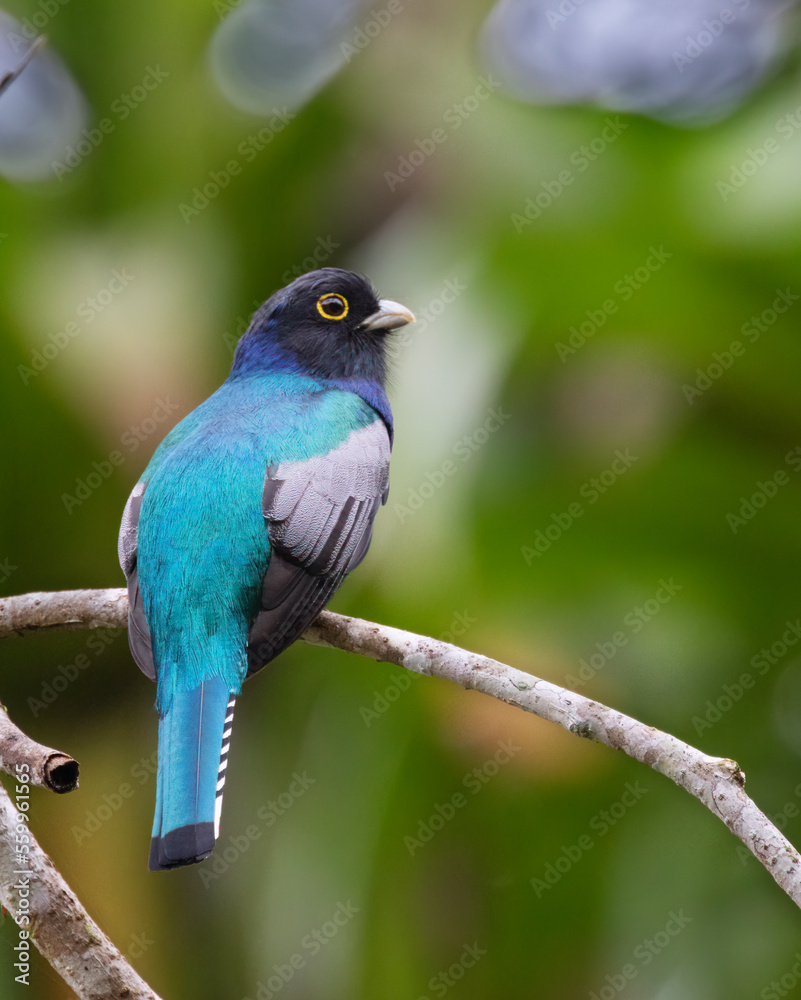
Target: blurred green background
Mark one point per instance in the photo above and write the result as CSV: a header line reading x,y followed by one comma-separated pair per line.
x,y
583,334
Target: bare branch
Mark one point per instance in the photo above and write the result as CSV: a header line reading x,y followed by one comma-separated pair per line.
x,y
44,766
63,609
715,781
8,78
51,916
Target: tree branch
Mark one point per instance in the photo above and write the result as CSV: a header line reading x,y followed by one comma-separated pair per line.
x,y
717,782
51,916
42,765
8,78
63,609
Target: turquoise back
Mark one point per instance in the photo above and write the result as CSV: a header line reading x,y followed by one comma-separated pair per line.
x,y
203,548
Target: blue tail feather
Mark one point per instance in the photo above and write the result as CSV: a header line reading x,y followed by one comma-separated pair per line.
x,y
194,737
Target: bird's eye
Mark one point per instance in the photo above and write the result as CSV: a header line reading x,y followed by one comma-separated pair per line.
x,y
332,306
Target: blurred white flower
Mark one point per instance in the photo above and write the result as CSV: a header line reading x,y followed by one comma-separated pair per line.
x,y
275,53
676,60
41,108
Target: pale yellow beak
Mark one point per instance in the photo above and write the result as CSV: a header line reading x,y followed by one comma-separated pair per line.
x,y
389,316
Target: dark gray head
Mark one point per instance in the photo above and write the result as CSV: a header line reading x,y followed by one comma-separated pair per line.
x,y
327,324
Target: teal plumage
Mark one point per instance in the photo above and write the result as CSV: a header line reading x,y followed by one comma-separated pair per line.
x,y
247,518
225,444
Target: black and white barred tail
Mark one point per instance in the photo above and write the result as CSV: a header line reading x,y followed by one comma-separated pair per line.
x,y
194,742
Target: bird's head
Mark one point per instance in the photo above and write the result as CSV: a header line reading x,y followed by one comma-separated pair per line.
x,y
328,324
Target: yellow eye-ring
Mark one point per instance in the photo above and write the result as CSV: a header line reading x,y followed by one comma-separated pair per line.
x,y
332,306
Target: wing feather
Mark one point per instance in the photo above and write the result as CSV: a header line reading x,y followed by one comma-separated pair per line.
x,y
138,631
319,517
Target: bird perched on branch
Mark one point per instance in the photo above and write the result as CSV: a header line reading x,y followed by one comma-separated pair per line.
x,y
247,519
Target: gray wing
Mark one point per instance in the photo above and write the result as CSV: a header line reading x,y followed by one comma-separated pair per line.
x,y
319,517
138,631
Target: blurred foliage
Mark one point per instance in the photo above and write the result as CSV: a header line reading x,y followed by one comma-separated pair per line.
x,y
580,279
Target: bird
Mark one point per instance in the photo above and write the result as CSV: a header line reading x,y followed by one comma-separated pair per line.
x,y
248,517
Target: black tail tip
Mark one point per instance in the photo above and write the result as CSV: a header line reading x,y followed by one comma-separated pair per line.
x,y
185,846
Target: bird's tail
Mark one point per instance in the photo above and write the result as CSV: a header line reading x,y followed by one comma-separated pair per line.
x,y
194,737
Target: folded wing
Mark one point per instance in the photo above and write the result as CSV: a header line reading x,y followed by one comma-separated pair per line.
x,y
138,629
319,517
